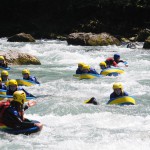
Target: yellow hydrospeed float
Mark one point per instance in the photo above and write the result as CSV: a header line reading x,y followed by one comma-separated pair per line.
x,y
87,76
112,71
124,100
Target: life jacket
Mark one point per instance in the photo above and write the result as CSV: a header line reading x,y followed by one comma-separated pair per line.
x,y
111,62
3,106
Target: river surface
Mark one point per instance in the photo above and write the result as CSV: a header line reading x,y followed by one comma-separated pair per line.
x,y
68,123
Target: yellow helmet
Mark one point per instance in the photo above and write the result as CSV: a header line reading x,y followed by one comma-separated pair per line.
x,y
12,82
19,96
86,67
117,85
0,79
4,73
102,63
1,57
26,71
81,64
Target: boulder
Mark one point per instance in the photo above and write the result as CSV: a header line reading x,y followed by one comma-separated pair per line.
x,y
131,45
143,35
102,39
21,37
17,58
147,43
77,38
132,39
91,39
125,40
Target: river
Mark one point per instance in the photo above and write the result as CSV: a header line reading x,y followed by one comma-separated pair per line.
x,y
68,123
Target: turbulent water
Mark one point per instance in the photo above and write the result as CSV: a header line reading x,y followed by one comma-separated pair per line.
x,y
68,123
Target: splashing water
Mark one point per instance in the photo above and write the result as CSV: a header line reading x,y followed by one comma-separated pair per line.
x,y
68,123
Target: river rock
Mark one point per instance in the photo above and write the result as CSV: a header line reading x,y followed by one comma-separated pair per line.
x,y
125,40
91,39
147,43
143,35
132,39
131,45
21,37
17,58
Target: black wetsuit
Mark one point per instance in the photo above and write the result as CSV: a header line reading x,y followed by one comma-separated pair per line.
x,y
78,71
114,95
4,65
118,61
12,119
19,88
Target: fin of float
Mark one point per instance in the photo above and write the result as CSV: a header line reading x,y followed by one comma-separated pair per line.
x,y
87,101
91,101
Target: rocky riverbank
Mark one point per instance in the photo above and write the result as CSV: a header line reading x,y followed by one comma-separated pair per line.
x,y
92,39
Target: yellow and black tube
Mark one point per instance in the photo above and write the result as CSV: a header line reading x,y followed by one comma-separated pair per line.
x,y
125,100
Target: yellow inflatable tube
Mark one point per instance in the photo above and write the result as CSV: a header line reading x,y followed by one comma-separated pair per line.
x,y
125,100
2,92
23,82
86,76
112,70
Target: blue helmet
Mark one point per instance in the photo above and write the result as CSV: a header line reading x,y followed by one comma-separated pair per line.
x,y
116,56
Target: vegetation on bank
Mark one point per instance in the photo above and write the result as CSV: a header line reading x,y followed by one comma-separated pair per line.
x,y
48,18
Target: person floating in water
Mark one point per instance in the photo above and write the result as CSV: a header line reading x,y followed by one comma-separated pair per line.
x,y
3,62
118,91
12,113
91,101
114,61
88,69
26,75
79,69
4,76
103,66
13,86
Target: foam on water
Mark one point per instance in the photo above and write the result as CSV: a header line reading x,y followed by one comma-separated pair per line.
x,y
86,131
68,123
